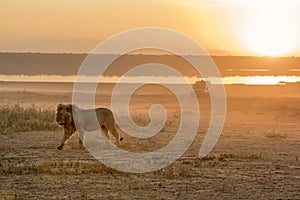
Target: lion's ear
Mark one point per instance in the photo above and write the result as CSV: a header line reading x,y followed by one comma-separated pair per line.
x,y
69,108
59,106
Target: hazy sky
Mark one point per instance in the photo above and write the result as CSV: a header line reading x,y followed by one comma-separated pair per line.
x,y
236,27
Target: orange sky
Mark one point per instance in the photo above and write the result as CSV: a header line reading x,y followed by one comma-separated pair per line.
x,y
257,27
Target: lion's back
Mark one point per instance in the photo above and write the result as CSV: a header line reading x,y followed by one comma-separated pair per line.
x,y
105,115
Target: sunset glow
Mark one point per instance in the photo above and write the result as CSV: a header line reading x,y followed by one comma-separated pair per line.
x,y
222,27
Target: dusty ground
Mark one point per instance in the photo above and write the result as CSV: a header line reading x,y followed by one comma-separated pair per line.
x,y
257,156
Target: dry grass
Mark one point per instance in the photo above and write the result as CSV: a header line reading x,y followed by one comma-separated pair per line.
x,y
76,167
175,170
14,118
275,135
233,156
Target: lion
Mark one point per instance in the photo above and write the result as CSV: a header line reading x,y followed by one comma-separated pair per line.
x,y
67,115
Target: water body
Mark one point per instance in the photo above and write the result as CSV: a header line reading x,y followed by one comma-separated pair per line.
x,y
228,80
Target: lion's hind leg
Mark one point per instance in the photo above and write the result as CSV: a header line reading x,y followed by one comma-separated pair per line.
x,y
115,133
105,131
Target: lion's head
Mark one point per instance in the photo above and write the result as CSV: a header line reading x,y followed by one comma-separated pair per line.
x,y
64,114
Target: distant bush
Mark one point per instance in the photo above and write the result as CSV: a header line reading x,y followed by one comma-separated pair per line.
x,y
21,119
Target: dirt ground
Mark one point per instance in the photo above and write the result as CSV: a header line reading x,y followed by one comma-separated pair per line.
x,y
256,157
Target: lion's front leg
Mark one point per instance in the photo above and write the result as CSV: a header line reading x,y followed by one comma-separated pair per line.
x,y
80,132
80,142
64,140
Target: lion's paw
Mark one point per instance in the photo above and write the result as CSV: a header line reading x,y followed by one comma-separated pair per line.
x,y
60,147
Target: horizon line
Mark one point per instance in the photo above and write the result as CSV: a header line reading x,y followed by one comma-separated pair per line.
x,y
151,54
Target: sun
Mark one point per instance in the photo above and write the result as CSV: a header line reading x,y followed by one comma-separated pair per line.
x,y
270,31
270,37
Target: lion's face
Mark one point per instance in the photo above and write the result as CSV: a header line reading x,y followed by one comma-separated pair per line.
x,y
63,114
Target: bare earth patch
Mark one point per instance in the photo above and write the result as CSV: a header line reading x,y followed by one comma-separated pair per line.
x,y
251,160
